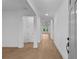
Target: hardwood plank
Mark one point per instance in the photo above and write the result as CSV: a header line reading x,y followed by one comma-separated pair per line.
x,y
46,50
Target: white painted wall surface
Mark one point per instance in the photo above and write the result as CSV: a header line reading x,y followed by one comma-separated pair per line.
x,y
52,29
61,29
12,28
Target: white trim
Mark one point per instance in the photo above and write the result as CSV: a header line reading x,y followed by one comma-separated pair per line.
x,y
9,45
34,9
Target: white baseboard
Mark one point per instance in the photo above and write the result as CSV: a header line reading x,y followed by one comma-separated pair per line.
x,y
28,41
19,45
9,45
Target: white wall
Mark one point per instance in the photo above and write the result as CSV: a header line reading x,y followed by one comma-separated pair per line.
x,y
61,29
12,28
51,29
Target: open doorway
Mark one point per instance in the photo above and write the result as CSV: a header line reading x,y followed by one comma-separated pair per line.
x,y
28,27
47,26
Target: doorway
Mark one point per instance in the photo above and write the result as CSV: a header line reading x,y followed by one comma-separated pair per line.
x,y
28,22
44,28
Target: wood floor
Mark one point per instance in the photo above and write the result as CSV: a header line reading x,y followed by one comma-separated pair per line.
x,y
46,50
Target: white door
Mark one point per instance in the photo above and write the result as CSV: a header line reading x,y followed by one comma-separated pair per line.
x,y
28,29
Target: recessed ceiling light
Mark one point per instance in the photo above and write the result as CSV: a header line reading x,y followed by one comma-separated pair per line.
x,y
46,14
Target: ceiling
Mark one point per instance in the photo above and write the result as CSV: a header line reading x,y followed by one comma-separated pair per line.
x,y
46,6
16,5
45,20
42,6
13,4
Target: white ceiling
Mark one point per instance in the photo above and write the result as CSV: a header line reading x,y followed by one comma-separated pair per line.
x,y
45,20
42,6
13,5
17,5
46,6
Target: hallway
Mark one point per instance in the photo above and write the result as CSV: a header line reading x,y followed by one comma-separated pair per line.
x,y
46,50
